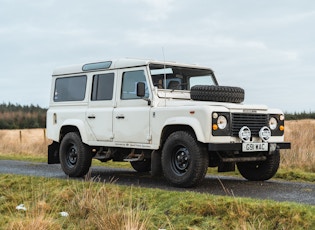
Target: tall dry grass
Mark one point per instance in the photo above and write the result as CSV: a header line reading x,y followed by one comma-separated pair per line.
x,y
88,205
300,133
24,141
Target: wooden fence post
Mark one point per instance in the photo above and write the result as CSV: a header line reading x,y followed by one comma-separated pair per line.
x,y
45,136
21,136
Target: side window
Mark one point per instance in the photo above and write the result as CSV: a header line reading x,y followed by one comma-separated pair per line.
x,y
70,89
103,87
129,84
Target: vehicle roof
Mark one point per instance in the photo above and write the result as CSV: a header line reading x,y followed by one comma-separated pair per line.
x,y
119,64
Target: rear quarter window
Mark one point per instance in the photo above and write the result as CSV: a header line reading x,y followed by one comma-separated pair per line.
x,y
70,89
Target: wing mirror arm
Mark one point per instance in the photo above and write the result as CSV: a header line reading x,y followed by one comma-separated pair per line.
x,y
141,92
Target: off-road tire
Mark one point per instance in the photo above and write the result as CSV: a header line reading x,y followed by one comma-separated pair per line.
x,y
75,157
141,166
217,93
261,170
184,160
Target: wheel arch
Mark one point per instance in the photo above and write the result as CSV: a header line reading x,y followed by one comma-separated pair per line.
x,y
73,126
67,129
183,124
167,130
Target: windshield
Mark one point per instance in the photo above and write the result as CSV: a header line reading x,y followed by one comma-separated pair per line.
x,y
180,78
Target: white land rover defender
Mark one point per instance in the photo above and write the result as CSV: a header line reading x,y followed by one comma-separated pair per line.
x,y
168,118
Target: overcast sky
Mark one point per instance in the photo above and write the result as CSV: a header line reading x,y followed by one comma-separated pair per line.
x,y
266,47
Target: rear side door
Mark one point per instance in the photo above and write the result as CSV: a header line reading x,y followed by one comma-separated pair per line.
x,y
131,118
100,111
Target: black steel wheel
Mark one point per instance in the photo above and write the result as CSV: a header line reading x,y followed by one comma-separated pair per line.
x,y
180,160
184,160
75,157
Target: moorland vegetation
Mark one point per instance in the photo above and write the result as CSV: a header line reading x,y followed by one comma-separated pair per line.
x,y
91,205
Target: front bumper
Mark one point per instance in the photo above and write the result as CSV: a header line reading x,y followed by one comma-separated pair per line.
x,y
238,146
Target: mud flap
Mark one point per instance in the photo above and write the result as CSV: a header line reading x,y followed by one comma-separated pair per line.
x,y
156,164
53,153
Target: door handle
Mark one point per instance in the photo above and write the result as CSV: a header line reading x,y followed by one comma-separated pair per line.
x,y
120,117
91,117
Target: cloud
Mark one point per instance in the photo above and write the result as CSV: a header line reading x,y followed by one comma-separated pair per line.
x,y
257,45
158,9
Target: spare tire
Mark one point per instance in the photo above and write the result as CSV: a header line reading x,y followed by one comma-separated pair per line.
x,y
217,93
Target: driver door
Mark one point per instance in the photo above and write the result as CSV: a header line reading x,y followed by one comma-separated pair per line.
x,y
131,120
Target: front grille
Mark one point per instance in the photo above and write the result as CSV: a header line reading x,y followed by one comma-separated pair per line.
x,y
253,121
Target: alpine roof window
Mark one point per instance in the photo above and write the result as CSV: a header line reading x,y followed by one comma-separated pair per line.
x,y
97,66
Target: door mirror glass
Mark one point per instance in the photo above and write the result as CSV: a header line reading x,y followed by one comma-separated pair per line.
x,y
140,89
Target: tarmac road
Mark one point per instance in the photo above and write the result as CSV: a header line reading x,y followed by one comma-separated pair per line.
x,y
216,185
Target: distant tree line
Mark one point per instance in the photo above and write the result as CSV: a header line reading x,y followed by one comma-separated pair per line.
x,y
15,116
300,116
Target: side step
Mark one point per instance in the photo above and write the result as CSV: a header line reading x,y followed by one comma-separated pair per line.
x,y
134,157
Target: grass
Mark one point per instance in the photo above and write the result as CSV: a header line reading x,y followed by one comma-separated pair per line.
x,y
301,156
108,206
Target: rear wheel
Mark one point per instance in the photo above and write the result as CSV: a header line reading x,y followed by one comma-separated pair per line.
x,y
141,166
260,170
184,160
75,157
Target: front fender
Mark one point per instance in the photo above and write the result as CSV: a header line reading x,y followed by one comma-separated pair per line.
x,y
192,122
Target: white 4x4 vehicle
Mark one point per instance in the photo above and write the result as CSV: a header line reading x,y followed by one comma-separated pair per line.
x,y
164,117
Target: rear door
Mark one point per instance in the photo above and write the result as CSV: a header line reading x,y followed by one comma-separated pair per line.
x,y
100,112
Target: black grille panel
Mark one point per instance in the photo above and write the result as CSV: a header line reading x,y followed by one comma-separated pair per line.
x,y
253,121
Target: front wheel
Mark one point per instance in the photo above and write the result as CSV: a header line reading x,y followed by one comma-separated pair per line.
x,y
184,160
260,170
75,157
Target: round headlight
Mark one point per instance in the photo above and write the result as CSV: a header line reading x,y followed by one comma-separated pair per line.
x,y
222,122
273,123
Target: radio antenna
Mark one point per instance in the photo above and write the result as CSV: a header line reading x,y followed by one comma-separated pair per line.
x,y
164,67
164,76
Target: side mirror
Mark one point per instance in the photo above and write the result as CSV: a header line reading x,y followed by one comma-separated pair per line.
x,y
140,89
141,92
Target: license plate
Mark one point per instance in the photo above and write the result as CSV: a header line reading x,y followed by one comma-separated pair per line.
x,y
255,147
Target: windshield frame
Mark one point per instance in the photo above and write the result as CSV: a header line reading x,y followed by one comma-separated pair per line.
x,y
177,77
